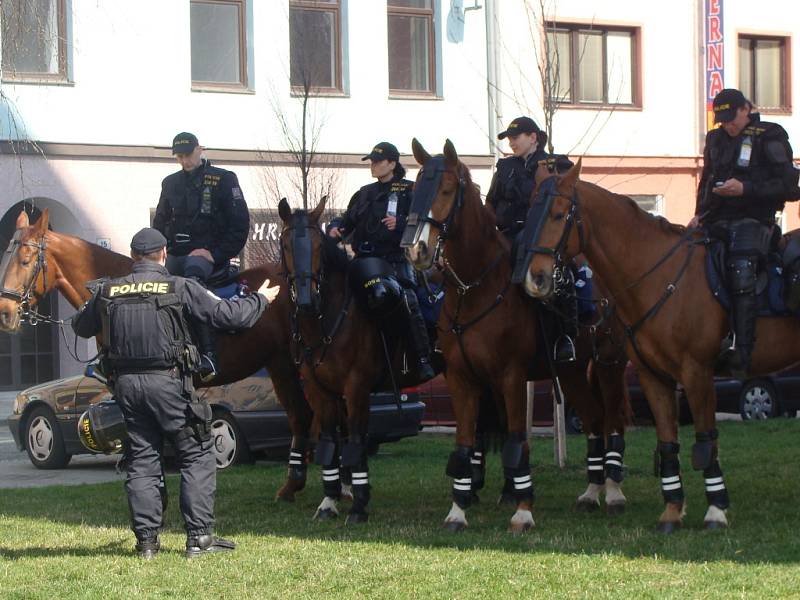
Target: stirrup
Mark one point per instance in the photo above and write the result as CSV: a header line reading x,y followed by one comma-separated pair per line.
x,y
564,349
207,369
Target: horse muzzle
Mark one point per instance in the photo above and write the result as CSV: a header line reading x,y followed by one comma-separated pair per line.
x,y
10,313
420,256
539,285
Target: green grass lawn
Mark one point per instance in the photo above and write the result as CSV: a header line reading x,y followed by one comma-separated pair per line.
x,y
74,542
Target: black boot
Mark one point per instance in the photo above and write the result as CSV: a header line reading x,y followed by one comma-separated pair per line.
x,y
567,311
745,307
207,544
147,547
208,355
419,337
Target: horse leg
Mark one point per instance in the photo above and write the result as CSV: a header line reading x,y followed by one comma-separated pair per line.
x,y
326,453
478,461
459,466
661,398
516,451
702,402
354,451
611,381
286,382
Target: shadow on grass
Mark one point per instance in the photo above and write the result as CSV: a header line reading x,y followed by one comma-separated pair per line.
x,y
411,496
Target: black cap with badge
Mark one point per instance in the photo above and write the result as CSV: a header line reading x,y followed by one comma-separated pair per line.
x,y
148,240
184,143
519,125
726,103
383,151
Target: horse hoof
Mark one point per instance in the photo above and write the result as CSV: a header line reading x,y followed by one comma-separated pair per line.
x,y
356,517
455,526
714,525
288,498
615,509
326,514
506,499
668,527
519,529
587,505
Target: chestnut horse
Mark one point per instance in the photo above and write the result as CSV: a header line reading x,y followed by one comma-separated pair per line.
x,y
39,260
491,337
674,325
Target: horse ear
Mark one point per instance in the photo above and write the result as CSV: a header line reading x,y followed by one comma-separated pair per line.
x,y
44,220
316,214
284,210
571,176
450,154
420,154
22,220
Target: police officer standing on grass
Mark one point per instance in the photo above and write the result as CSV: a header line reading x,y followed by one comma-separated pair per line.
x,y
148,347
204,217
376,218
747,176
510,194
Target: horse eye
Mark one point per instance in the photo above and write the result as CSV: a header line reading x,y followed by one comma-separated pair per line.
x,y
558,216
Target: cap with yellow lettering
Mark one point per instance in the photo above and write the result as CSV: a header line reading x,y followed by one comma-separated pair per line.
x,y
148,240
383,151
184,143
726,103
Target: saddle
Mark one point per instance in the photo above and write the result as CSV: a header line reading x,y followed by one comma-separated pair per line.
x,y
778,285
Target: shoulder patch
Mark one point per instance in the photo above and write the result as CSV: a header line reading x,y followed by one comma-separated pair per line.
x,y
236,192
138,288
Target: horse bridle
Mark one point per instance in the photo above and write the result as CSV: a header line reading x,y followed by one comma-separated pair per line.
x,y
23,298
301,230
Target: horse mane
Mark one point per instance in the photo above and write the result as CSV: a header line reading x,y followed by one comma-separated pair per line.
x,y
661,223
334,255
487,218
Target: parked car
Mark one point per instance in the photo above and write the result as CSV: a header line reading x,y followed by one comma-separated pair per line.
x,y
247,419
757,398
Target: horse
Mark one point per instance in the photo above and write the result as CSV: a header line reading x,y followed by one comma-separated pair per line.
x,y
39,260
491,336
655,272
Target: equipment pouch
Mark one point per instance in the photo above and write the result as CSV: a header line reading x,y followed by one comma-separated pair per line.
x,y
199,417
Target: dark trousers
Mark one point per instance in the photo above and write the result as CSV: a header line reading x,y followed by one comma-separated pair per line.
x,y
155,409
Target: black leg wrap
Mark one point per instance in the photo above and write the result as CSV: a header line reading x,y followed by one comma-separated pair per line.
x,y
595,451
331,481
325,450
669,469
703,451
716,492
354,451
297,460
459,468
478,462
615,453
361,487
516,465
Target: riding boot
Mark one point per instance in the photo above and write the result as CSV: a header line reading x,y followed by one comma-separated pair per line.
x,y
419,336
208,354
745,312
567,305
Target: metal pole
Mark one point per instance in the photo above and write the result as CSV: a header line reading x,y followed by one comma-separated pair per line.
x,y
559,427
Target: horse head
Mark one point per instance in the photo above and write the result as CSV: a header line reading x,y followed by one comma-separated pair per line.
x,y
301,254
550,238
438,195
23,271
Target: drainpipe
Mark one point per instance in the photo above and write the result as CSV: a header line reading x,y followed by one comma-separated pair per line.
x,y
492,77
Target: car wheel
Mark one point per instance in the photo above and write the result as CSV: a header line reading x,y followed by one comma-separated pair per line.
x,y
573,423
44,441
230,446
758,400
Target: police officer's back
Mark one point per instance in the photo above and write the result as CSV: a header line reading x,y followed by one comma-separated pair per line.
x,y
747,176
147,344
203,215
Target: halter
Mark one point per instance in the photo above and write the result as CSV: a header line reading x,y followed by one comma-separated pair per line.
x,y
23,298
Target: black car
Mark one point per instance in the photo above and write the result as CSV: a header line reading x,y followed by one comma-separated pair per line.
x,y
248,419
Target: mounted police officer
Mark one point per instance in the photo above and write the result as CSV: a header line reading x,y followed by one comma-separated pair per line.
x,y
747,176
376,218
146,342
204,217
509,195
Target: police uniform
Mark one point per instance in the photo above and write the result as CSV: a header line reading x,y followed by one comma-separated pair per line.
x,y
201,209
760,157
509,195
148,348
362,222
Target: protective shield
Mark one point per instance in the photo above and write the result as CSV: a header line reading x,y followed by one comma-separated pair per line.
x,y
375,286
8,255
302,249
425,191
527,244
101,429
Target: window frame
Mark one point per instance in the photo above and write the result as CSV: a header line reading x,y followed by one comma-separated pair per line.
x,y
575,29
62,76
786,71
337,9
430,15
218,86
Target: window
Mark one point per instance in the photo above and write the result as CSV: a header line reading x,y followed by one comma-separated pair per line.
x,y
219,57
591,66
411,47
652,203
315,53
34,40
762,71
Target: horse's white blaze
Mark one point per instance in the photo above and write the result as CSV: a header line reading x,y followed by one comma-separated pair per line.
x,y
328,503
456,515
415,254
530,287
591,495
522,519
614,493
715,515
347,492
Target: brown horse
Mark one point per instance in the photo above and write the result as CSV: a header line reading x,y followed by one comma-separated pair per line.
x,y
491,336
656,274
39,260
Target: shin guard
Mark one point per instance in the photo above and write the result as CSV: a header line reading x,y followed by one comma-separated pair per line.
x,y
703,451
668,467
615,453
459,468
716,492
297,459
516,465
594,460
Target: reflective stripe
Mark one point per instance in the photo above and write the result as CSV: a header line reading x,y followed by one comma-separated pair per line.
x,y
614,462
330,471
360,475
673,486
522,486
594,468
462,488
330,477
715,488
713,480
672,479
613,454
594,458
521,479
465,480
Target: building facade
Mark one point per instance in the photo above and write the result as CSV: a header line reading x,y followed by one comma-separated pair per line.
x,y
93,92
